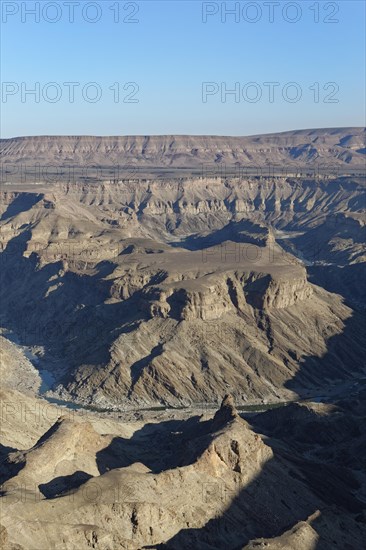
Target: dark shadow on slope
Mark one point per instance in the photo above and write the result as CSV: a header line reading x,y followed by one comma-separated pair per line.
x,y
268,506
64,312
255,289
5,450
341,365
62,484
321,447
7,468
288,489
327,444
244,231
13,460
138,367
166,445
22,203
349,281
160,446
259,510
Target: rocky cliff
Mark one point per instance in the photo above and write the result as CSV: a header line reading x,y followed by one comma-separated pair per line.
x,y
123,156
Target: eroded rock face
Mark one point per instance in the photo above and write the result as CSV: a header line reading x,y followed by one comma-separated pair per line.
x,y
176,290
209,303
123,154
266,292
226,413
302,536
228,294
206,481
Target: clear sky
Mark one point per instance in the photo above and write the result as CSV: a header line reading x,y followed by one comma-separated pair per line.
x,y
169,71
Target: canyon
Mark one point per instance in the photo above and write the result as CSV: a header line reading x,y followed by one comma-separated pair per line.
x,y
183,337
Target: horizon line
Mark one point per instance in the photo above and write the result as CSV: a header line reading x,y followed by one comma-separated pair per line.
x,y
331,128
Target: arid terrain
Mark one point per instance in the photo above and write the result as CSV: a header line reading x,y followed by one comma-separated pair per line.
x,y
183,342
88,158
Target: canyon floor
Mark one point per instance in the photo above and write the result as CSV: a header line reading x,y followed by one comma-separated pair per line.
x,y
182,354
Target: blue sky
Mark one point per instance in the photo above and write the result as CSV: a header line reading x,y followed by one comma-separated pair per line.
x,y
165,58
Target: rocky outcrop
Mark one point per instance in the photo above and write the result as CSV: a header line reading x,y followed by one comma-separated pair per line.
x,y
302,537
230,292
69,448
207,481
208,303
226,413
267,292
140,495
